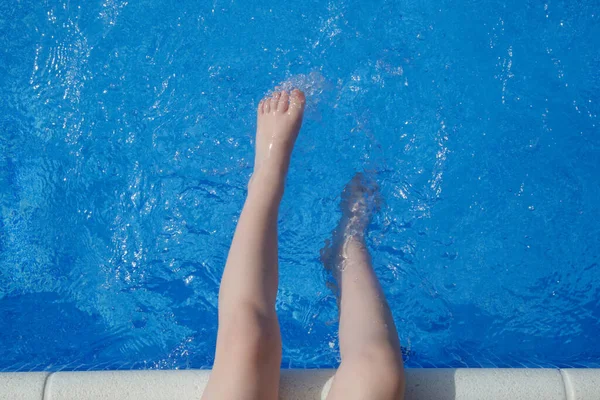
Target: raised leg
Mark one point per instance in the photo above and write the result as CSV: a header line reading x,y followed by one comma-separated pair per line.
x,y
371,367
248,353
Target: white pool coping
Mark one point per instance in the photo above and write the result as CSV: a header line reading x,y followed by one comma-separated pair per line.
x,y
421,384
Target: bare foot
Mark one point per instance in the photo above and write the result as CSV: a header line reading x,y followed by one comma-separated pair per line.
x,y
278,123
360,200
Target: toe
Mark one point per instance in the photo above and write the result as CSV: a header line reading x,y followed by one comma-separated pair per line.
x,y
266,105
297,100
260,107
274,101
284,102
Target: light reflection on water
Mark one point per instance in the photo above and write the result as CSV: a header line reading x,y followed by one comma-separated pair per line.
x,y
126,144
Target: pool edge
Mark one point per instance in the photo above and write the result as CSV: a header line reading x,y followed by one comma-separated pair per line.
x,y
421,384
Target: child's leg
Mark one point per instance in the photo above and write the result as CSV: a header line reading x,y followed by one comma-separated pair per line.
x,y
371,365
248,353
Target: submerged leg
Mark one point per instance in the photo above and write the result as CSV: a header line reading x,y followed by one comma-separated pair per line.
x,y
248,354
371,367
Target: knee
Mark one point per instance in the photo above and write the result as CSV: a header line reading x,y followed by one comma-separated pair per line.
x,y
381,369
250,334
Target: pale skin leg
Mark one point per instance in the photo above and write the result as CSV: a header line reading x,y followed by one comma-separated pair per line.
x,y
248,353
371,367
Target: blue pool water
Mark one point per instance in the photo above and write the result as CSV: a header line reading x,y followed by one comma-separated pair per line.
x,y
126,135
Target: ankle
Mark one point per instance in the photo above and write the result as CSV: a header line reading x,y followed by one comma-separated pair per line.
x,y
267,182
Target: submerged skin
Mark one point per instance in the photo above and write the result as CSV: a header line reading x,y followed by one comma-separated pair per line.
x,y
248,351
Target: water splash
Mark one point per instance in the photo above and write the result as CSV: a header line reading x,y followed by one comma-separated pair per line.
x,y
313,85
